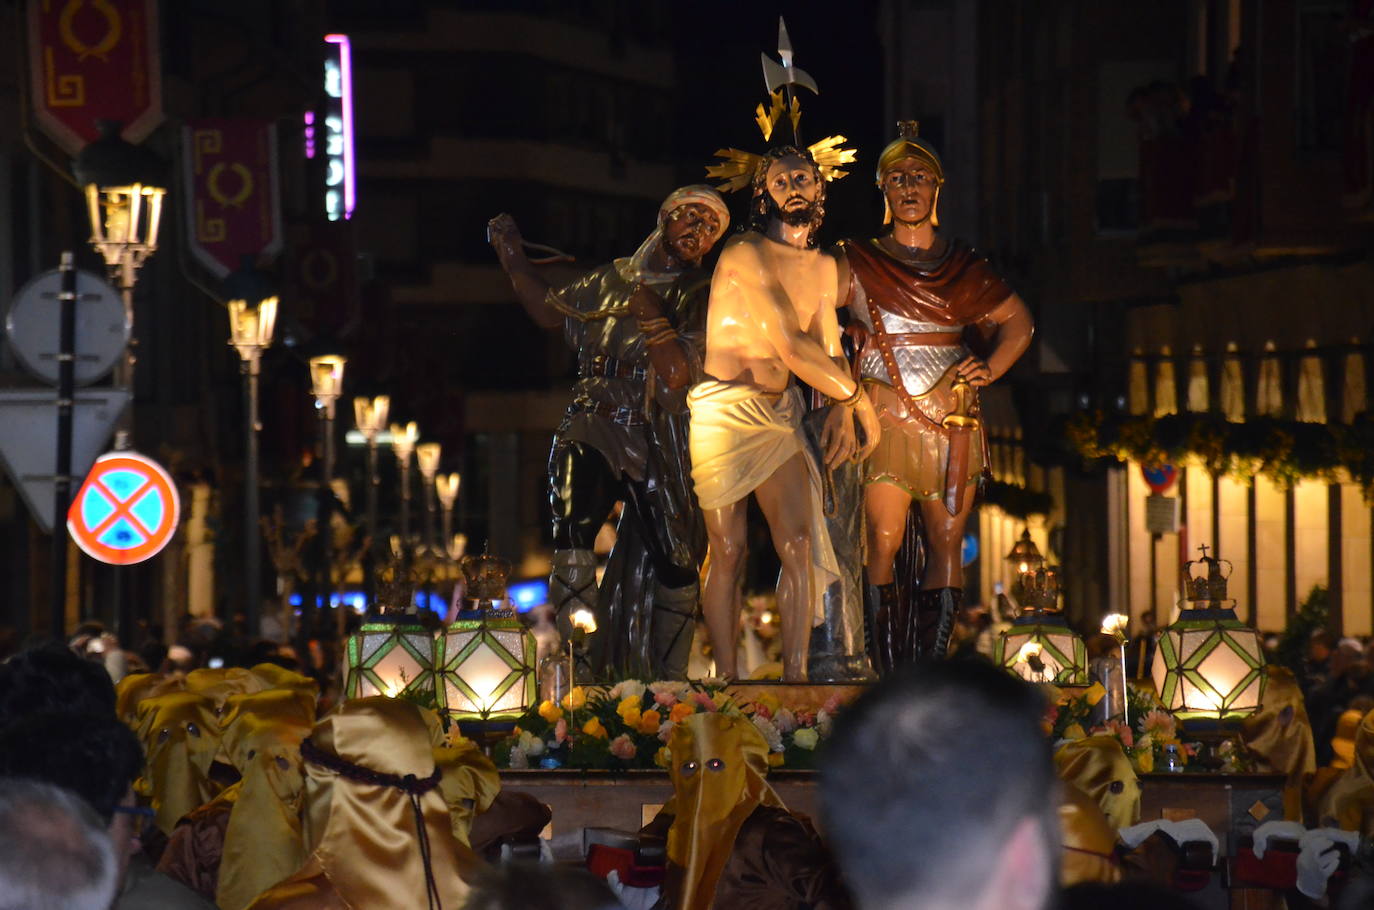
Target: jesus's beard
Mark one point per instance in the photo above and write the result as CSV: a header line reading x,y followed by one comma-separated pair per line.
x,y
797,217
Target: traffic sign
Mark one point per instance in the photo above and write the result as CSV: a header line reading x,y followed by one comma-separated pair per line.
x,y
28,443
102,326
126,511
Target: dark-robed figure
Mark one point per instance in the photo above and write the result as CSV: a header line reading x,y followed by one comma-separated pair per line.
x,y
637,326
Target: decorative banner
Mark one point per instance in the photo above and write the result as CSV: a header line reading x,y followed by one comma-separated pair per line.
x,y
233,206
94,60
326,278
126,511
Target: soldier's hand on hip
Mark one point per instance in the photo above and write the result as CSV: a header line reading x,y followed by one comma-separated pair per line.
x,y
975,370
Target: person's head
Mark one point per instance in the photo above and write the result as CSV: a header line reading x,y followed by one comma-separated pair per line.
x,y
693,218
788,187
1319,645
910,174
531,886
57,855
180,735
52,678
945,764
92,755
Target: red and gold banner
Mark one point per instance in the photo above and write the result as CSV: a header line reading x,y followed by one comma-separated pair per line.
x,y
325,274
232,206
94,60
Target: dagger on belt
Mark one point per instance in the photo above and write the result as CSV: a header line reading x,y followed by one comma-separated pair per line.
x,y
958,425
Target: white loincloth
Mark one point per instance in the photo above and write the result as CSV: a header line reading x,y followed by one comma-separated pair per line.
x,y
739,437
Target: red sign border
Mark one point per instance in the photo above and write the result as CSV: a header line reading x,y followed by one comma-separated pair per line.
x,y
94,548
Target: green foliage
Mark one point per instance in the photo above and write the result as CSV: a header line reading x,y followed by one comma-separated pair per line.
x,y
1282,450
1314,613
1016,500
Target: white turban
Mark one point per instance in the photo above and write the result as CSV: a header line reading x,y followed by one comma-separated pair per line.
x,y
634,269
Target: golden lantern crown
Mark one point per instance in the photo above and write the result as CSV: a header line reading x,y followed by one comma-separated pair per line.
x,y
486,577
1039,590
1025,556
1205,581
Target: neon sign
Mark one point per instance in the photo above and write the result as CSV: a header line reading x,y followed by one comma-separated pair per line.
x,y
335,128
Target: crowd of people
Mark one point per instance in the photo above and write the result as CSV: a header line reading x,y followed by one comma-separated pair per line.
x,y
186,786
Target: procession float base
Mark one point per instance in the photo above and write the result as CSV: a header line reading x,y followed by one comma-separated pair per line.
x,y
796,696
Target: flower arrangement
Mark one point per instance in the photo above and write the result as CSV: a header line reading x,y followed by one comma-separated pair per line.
x,y
627,726
1144,741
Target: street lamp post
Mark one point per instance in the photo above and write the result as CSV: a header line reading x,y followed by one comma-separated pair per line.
x,y
125,186
252,317
446,485
326,384
402,444
427,457
369,415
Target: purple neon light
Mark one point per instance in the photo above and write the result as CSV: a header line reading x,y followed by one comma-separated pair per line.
x,y
346,73
309,134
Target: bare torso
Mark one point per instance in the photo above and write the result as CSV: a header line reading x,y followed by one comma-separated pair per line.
x,y
753,280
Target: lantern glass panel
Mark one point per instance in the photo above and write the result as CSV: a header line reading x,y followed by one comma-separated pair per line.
x,y
1209,668
487,669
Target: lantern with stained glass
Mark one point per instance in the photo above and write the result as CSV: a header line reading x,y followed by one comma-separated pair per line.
x,y
486,657
392,655
1039,646
1208,664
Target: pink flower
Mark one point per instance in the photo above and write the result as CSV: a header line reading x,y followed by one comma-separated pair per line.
x,y
666,699
704,700
762,711
1119,729
560,730
1160,722
623,747
832,704
806,718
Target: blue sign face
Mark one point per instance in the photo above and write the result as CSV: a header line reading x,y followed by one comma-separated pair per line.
x,y
1159,477
969,552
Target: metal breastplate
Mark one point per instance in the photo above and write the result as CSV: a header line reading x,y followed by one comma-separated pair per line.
x,y
921,367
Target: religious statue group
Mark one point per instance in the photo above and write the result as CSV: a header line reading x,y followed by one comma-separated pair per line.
x,y
697,388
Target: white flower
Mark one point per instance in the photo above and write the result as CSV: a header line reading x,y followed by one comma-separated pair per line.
x,y
518,759
629,688
770,733
785,720
671,686
712,682
530,744
664,729
805,738
823,722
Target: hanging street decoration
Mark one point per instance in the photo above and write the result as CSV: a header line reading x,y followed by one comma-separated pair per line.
x,y
233,206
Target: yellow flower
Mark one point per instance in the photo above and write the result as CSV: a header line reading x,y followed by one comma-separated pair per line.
x,y
575,699
648,722
1145,761
593,728
550,712
1074,731
628,709
1095,693
661,757
721,699
774,759
680,712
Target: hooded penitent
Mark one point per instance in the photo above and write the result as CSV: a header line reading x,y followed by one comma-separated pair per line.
x,y
1280,734
1349,804
375,824
180,736
1098,766
718,765
135,687
469,783
1088,840
262,843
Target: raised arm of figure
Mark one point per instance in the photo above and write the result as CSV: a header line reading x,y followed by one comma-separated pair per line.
x,y
1009,328
530,289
